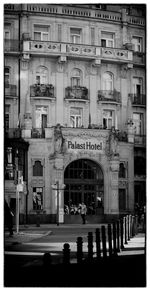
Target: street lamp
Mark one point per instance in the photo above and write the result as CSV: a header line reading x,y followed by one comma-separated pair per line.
x,y
56,187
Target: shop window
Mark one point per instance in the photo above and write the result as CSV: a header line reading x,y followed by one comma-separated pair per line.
x,y
108,119
42,75
108,82
137,44
76,78
122,170
37,169
41,32
138,123
75,35
75,117
107,39
37,198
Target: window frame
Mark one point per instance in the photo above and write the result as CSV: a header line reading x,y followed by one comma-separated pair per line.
x,y
78,123
107,119
135,45
36,190
107,40
42,33
139,123
75,38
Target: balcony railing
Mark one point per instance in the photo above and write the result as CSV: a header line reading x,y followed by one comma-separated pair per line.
x,y
13,133
11,45
138,99
77,50
110,96
42,90
10,90
38,133
76,92
140,140
139,58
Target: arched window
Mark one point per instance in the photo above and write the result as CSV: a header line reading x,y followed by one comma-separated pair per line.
x,y
108,81
122,170
42,75
76,78
37,169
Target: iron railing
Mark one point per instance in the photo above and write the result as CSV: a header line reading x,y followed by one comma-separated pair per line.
x,y
10,90
76,92
109,95
138,99
38,133
13,133
42,90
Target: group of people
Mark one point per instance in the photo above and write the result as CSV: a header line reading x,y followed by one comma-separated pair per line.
x,y
80,209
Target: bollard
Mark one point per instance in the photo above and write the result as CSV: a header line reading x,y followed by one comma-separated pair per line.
x,y
90,246
125,230
98,243
47,260
79,250
121,231
128,223
104,242
133,226
109,240
118,237
114,238
136,225
66,253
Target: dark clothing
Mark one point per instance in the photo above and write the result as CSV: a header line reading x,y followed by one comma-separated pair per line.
x,y
8,218
83,218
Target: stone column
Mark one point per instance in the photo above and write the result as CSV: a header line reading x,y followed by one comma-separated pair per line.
x,y
59,93
114,197
93,93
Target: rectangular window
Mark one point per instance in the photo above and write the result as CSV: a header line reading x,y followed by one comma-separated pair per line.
x,y
75,35
59,32
7,112
138,123
37,198
122,199
41,33
6,77
137,44
108,119
107,39
75,81
137,86
75,117
41,116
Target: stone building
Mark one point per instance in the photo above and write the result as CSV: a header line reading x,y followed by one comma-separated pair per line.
x,y
75,109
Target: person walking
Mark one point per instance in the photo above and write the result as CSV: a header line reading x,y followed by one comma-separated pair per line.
x,y
83,212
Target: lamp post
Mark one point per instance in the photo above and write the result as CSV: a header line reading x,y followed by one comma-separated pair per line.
x,y
56,187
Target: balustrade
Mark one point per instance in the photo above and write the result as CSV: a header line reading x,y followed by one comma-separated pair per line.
x,y
138,99
109,95
76,92
10,90
42,90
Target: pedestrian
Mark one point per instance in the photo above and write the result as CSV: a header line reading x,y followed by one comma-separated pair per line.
x,y
83,212
8,218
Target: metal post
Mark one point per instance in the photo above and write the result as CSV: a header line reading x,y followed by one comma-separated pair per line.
x,y
104,242
109,239
57,189
118,236
17,211
79,250
98,243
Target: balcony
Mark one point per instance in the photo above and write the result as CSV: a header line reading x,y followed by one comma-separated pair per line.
x,y
109,96
138,99
38,133
42,90
11,45
90,52
140,140
76,93
10,90
13,133
139,58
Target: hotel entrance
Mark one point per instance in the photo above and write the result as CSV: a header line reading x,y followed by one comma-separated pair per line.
x,y
84,183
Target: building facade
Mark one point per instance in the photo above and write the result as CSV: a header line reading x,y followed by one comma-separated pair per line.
x,y
75,109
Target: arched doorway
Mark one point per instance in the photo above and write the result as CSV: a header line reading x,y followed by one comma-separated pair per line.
x,y
84,183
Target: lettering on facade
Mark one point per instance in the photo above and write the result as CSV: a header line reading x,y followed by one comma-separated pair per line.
x,y
85,146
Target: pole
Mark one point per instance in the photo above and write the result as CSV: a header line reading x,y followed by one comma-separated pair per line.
x,y
57,184
17,211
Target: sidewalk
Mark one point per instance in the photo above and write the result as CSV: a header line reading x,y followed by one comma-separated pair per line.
x,y
134,246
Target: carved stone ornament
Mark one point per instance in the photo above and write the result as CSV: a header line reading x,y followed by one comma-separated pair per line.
x,y
112,147
58,139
